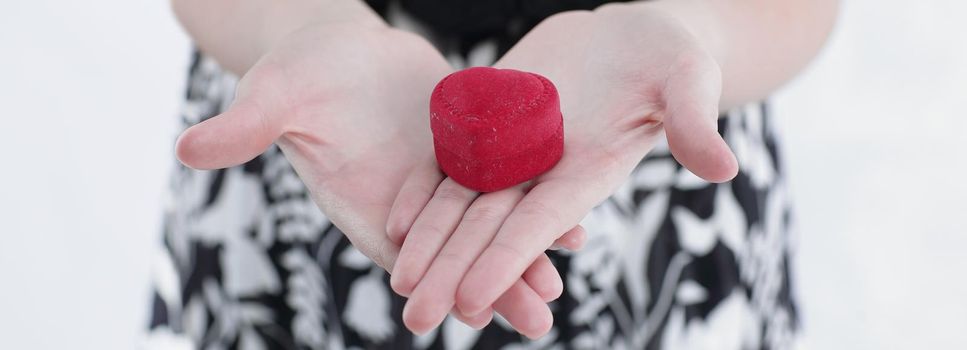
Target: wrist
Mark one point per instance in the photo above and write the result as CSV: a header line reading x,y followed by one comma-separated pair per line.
x,y
237,33
281,21
700,19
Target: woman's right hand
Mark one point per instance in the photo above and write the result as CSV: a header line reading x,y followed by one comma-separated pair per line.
x,y
344,104
348,105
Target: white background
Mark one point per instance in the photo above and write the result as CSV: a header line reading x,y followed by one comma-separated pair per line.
x,y
876,144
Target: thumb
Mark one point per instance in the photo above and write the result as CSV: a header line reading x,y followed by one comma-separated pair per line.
x,y
691,97
236,136
240,133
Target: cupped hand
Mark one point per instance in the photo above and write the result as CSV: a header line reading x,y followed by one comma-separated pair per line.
x,y
625,77
347,105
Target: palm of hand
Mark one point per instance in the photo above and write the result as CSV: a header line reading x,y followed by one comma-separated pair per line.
x,y
356,123
624,79
346,116
620,75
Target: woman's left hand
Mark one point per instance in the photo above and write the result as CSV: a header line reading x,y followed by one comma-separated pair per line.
x,y
625,75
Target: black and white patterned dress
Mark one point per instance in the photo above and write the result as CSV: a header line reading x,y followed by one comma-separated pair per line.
x,y
672,262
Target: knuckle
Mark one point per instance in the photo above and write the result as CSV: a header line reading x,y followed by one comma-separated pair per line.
x,y
429,230
452,258
537,210
415,196
508,250
450,191
482,214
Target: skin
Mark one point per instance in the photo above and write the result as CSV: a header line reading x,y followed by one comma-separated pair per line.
x,y
346,101
627,74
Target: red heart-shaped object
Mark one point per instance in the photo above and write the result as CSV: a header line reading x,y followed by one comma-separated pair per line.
x,y
495,128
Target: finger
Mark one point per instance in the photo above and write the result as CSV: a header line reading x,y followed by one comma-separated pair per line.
x,y
572,240
541,217
544,279
520,306
691,97
234,137
249,126
413,197
435,294
477,322
429,233
514,310
525,311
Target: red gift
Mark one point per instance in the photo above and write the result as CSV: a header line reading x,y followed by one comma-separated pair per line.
x,y
495,128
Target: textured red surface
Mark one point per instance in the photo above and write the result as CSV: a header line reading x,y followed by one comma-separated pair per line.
x,y
495,128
